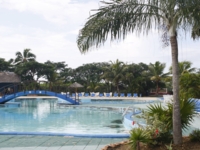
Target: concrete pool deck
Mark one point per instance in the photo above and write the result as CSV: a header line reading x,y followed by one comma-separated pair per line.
x,y
20,142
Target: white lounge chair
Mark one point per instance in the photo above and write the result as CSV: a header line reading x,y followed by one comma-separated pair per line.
x,y
97,94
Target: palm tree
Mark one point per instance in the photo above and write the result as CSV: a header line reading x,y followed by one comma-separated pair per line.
x,y
157,75
24,57
184,67
119,17
114,74
93,86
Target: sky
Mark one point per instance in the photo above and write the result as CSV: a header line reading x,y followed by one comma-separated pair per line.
x,y
50,29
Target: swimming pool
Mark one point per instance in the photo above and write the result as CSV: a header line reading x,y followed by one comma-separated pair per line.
x,y
45,116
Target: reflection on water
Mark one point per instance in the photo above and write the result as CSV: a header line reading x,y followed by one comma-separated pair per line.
x,y
45,116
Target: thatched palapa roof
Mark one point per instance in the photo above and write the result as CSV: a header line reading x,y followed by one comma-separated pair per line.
x,y
9,77
75,85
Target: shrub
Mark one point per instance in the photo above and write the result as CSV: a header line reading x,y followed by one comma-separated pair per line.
x,y
164,114
159,119
137,136
158,130
195,135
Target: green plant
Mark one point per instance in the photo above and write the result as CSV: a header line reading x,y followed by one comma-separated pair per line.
x,y
169,147
157,129
159,120
137,136
164,114
195,135
187,111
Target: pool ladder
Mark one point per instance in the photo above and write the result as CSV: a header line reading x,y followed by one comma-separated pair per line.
x,y
124,113
132,109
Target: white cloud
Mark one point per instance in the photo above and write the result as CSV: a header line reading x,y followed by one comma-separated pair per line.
x,y
58,42
60,12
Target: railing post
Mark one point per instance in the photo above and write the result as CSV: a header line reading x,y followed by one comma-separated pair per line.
x,y
14,90
4,93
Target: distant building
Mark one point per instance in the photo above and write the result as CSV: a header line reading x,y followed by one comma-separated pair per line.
x,y
8,78
162,91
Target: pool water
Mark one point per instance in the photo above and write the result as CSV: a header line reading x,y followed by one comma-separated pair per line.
x,y
45,116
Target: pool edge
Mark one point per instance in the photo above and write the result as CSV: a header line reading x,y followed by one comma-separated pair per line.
x,y
68,134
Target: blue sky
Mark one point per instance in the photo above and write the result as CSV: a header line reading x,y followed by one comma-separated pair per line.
x,y
50,28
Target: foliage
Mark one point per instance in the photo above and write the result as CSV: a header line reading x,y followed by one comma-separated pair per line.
x,y
93,86
158,129
169,147
137,78
116,18
30,71
190,85
184,67
137,136
159,120
89,75
6,65
157,75
164,114
114,73
195,135
24,57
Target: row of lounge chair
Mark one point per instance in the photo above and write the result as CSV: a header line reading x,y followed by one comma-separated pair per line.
x,y
98,94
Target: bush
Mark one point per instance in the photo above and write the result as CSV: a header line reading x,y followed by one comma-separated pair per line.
x,y
138,135
195,135
159,120
164,114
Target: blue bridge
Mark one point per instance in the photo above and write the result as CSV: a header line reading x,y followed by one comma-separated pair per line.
x,y
13,91
9,97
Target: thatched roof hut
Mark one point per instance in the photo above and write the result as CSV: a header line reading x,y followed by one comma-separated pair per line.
x,y
9,77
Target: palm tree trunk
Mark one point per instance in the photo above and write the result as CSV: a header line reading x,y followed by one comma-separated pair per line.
x,y
117,85
138,145
157,87
177,132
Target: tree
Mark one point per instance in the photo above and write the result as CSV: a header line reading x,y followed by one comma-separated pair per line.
x,y
88,73
114,73
190,85
157,75
117,18
184,67
31,71
6,65
24,57
137,79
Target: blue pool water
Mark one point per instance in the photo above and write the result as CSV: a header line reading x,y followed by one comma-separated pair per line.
x,y
45,116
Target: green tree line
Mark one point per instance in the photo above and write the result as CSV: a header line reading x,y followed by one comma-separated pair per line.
x,y
114,76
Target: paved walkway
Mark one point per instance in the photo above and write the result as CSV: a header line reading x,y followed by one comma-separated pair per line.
x,y
18,142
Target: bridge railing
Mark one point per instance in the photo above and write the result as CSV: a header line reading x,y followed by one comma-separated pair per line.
x,y
25,86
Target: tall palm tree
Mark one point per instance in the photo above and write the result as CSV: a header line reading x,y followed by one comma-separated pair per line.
x,y
184,67
157,75
93,86
24,57
117,18
114,74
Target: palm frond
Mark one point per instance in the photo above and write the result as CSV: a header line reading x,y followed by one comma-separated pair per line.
x,y
116,20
